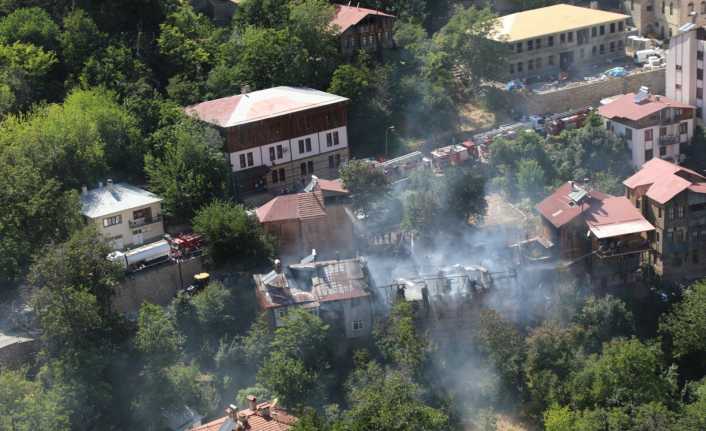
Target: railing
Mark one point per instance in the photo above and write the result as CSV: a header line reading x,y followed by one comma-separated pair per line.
x,y
620,248
145,221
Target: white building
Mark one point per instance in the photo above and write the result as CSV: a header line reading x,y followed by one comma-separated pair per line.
x,y
126,216
652,125
685,69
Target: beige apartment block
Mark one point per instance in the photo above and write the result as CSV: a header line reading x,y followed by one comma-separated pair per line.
x,y
125,215
560,38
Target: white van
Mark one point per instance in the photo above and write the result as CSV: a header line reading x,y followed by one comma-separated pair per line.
x,y
643,55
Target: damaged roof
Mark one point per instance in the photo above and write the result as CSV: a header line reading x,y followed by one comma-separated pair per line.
x,y
605,216
348,16
277,420
664,180
298,206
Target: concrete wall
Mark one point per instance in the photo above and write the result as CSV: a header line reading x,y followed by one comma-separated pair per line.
x,y
15,354
157,285
589,94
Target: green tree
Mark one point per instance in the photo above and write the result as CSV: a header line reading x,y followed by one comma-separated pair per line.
x,y
215,309
627,372
79,39
189,171
686,323
25,69
421,211
231,233
365,183
157,338
262,13
500,340
31,25
25,405
399,340
602,319
466,195
530,179
116,68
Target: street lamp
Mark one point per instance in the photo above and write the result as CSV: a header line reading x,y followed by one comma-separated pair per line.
x,y
389,129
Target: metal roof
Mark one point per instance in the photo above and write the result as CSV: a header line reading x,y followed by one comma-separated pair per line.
x,y
115,198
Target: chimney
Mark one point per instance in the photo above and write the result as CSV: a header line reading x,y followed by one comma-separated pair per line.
x,y
265,411
109,184
594,5
278,270
242,421
252,402
84,190
244,89
232,412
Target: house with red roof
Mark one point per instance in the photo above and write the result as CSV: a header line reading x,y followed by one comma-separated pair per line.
x,y
673,199
338,291
313,219
277,138
360,28
653,126
602,235
267,416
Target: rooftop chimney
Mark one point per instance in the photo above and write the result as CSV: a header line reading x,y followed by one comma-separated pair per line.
x,y
242,421
232,412
252,402
109,183
244,89
278,269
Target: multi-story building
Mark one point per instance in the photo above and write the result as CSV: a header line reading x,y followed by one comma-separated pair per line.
x,y
673,199
277,138
363,29
560,38
336,290
685,69
126,216
663,18
652,125
595,233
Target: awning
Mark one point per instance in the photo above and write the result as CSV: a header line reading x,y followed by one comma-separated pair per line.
x,y
620,229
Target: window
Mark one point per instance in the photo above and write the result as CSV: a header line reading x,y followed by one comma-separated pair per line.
x,y
562,38
594,50
275,176
602,49
700,72
530,45
671,8
302,169
602,30
330,162
530,65
612,47
335,139
538,63
357,325
519,67
242,161
663,7
594,31
657,236
550,41
677,86
662,131
281,312
621,26
648,155
680,211
680,235
670,213
669,237
550,60
281,174
538,43
272,153
570,36
632,4
310,166
329,140
112,221
338,160
620,44
518,47
280,152
677,67
250,160
683,128
699,112
628,134
659,212
308,145
612,27
301,146
662,151
512,68
648,135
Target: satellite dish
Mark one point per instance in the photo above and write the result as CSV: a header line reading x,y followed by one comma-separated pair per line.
x,y
228,425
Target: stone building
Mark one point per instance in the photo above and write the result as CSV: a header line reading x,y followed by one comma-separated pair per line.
x,y
673,199
277,138
559,38
363,29
663,18
338,291
652,125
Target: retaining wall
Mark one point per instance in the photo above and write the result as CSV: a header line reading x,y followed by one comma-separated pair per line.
x,y
588,94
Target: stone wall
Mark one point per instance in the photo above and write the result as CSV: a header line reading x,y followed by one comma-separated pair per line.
x,y
157,285
588,94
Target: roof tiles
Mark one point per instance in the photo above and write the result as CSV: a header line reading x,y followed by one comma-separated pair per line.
x,y
299,206
625,107
348,16
664,180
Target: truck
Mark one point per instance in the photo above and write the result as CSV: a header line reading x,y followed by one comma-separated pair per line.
x,y
182,246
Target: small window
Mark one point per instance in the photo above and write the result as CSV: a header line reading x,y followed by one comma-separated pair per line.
x,y
310,166
301,146
519,67
671,8
280,152
677,86
338,160
562,38
662,131
662,151
250,160
683,128
612,27
281,174
242,161
612,47
538,43
302,169
330,162
550,41
530,45
628,134
512,68
680,211
700,72
594,50
518,47
275,176
594,31
659,214
621,26
530,65
670,213
677,67
335,139
357,325
602,49
538,63
649,154
570,36
308,145
329,140
648,135
112,221
657,236
550,60
281,312
602,30
272,153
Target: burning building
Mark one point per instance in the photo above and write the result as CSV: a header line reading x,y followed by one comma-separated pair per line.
x,y
265,416
338,291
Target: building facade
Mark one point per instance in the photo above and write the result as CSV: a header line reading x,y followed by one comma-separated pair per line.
x,y
651,125
685,69
673,199
125,215
663,18
559,38
277,138
363,29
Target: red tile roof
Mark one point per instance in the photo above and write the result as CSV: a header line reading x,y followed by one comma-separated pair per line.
x,y
348,16
259,105
606,216
664,180
335,186
625,107
278,420
299,206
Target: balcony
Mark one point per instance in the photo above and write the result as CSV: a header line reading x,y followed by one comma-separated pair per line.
x,y
609,249
668,140
145,221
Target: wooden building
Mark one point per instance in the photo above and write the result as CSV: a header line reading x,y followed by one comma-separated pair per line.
x,y
277,138
363,29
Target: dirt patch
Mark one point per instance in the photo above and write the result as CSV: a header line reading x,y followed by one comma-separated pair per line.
x,y
475,117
